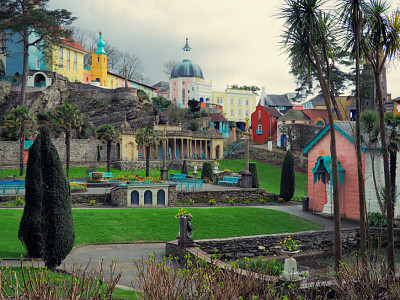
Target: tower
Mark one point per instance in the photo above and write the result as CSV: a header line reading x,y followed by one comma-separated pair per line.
x,y
99,62
186,51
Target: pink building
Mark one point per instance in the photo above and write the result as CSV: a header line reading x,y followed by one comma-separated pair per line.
x,y
320,171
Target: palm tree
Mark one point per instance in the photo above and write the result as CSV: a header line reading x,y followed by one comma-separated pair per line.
x,y
146,137
67,117
108,133
309,39
20,120
351,15
380,43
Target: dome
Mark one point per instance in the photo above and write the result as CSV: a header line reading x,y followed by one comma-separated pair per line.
x,y
186,69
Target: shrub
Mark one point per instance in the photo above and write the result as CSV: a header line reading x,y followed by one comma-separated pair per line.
x,y
287,177
58,226
184,169
30,231
194,126
207,171
376,219
254,174
204,113
269,267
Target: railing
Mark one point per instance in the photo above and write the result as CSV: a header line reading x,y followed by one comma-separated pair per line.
x,y
233,147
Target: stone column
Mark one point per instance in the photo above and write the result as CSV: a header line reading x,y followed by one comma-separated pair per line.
x,y
247,181
206,142
174,155
164,170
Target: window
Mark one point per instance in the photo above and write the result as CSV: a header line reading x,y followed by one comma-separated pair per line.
x,y
75,61
293,121
37,63
240,102
61,57
259,114
183,83
183,96
188,91
68,60
247,102
283,122
247,113
192,89
259,129
231,112
231,101
239,112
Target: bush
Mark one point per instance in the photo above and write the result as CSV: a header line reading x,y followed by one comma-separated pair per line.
x,y
207,171
204,113
376,219
269,267
254,174
184,169
194,126
287,177
91,169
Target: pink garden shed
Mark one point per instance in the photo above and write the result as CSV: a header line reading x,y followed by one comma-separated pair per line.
x,y
320,170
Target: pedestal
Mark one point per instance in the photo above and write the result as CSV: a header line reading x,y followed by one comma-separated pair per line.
x,y
269,145
164,174
290,270
247,181
185,239
194,174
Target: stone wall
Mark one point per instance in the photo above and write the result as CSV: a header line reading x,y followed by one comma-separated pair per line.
x,y
172,164
239,195
250,246
75,198
82,151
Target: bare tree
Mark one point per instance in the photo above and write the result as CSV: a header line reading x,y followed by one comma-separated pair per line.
x,y
168,66
133,63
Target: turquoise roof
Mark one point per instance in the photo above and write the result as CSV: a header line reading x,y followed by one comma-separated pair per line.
x,y
324,131
100,46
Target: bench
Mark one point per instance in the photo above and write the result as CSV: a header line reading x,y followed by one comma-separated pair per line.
x,y
177,176
228,180
12,186
187,184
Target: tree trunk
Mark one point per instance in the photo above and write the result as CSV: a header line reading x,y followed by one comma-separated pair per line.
x,y
336,107
335,172
385,155
21,150
147,160
68,148
24,68
361,186
108,156
392,161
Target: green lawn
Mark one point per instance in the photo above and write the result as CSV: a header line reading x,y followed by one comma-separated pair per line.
x,y
269,176
94,226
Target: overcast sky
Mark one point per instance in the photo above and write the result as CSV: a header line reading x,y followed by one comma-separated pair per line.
x,y
233,41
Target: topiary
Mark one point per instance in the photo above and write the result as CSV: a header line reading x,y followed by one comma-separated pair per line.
x,y
184,169
58,226
254,174
30,228
207,171
287,177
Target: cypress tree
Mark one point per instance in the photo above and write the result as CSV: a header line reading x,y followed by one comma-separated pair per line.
x,y
287,177
254,175
58,226
184,169
30,229
207,171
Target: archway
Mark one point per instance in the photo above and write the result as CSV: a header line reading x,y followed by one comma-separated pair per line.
x,y
161,197
39,79
135,198
148,198
217,152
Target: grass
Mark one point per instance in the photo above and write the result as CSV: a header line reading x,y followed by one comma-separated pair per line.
x,y
268,176
93,226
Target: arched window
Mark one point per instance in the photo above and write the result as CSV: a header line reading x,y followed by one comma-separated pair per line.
x,y
148,198
259,114
135,198
161,197
37,63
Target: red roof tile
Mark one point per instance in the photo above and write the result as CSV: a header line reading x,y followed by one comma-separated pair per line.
x,y
218,117
72,44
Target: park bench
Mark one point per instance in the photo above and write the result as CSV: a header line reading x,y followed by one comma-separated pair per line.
x,y
187,184
228,180
177,176
12,186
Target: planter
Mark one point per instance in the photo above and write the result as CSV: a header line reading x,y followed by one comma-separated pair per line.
x,y
98,175
290,253
290,272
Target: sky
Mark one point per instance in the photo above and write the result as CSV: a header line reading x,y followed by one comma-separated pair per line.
x,y
233,41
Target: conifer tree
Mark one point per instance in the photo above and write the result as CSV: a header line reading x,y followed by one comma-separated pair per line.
x,y
254,175
287,177
184,169
58,226
30,227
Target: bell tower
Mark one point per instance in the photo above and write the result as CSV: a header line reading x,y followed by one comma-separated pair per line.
x,y
99,62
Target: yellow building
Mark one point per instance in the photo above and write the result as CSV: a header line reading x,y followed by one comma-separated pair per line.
x,y
68,60
238,104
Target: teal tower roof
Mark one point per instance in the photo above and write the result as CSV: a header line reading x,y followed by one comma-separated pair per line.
x,y
100,46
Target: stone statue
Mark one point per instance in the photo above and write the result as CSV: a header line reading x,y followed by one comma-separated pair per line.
x,y
247,125
186,232
165,132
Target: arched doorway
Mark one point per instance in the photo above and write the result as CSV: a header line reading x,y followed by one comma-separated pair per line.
x,y
217,152
283,140
161,197
148,198
39,80
135,198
